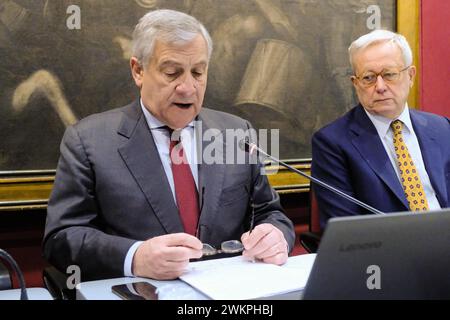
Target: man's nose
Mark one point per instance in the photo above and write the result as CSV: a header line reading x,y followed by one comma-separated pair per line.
x,y
187,86
380,85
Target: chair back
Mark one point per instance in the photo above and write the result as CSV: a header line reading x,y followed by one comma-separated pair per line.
x,y
314,214
310,240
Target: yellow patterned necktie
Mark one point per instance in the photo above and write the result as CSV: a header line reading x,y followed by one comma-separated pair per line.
x,y
408,172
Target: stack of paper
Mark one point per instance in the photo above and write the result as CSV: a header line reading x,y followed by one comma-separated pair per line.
x,y
238,279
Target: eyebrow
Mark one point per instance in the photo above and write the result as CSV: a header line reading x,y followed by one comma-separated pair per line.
x,y
172,63
384,68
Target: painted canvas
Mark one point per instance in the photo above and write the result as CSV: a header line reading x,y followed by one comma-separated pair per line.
x,y
281,64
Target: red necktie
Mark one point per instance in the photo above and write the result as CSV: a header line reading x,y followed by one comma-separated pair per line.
x,y
185,189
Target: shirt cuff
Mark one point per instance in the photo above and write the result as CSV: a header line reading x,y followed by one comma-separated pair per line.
x,y
128,264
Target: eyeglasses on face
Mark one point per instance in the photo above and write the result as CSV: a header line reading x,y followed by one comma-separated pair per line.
x,y
369,78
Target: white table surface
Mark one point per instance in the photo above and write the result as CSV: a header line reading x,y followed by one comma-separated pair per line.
x,y
33,294
176,289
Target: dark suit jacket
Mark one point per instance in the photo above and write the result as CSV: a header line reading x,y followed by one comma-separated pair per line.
x,y
111,190
349,155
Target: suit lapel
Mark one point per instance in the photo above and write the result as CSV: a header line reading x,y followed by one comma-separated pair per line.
x,y
210,177
142,159
369,145
431,155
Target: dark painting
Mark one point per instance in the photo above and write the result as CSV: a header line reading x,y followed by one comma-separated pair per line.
x,y
282,64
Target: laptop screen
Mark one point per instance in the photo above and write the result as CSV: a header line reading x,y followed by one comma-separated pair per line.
x,y
395,256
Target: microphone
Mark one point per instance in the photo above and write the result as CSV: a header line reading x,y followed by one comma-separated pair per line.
x,y
250,147
13,264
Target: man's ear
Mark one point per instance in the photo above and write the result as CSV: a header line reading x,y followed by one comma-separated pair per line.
x,y
136,71
412,74
353,80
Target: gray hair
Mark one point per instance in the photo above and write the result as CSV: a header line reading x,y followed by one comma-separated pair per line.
x,y
378,36
169,26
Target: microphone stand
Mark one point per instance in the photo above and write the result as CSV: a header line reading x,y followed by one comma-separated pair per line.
x,y
250,147
7,257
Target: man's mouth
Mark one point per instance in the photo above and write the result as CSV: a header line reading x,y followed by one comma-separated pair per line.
x,y
183,105
382,100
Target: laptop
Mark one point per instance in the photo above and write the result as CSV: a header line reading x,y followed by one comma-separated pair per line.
x,y
395,256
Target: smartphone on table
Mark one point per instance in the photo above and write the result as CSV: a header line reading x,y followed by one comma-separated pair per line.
x,y
136,291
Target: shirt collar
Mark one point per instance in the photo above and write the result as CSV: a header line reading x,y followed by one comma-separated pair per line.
x,y
406,119
383,124
154,123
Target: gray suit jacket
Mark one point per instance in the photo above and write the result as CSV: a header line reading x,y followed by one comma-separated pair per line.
x,y
111,190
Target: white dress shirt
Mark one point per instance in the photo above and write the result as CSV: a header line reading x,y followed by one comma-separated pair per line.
x,y
383,126
162,141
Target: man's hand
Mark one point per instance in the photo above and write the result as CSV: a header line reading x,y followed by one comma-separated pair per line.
x,y
265,243
166,257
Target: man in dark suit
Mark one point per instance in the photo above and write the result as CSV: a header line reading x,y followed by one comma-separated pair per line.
x,y
129,198
391,165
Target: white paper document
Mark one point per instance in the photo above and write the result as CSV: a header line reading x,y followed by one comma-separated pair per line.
x,y
238,279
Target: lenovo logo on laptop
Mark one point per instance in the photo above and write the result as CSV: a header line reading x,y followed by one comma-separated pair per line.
x,y
360,246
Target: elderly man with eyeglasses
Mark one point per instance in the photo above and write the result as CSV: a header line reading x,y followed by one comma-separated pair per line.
x,y
382,152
